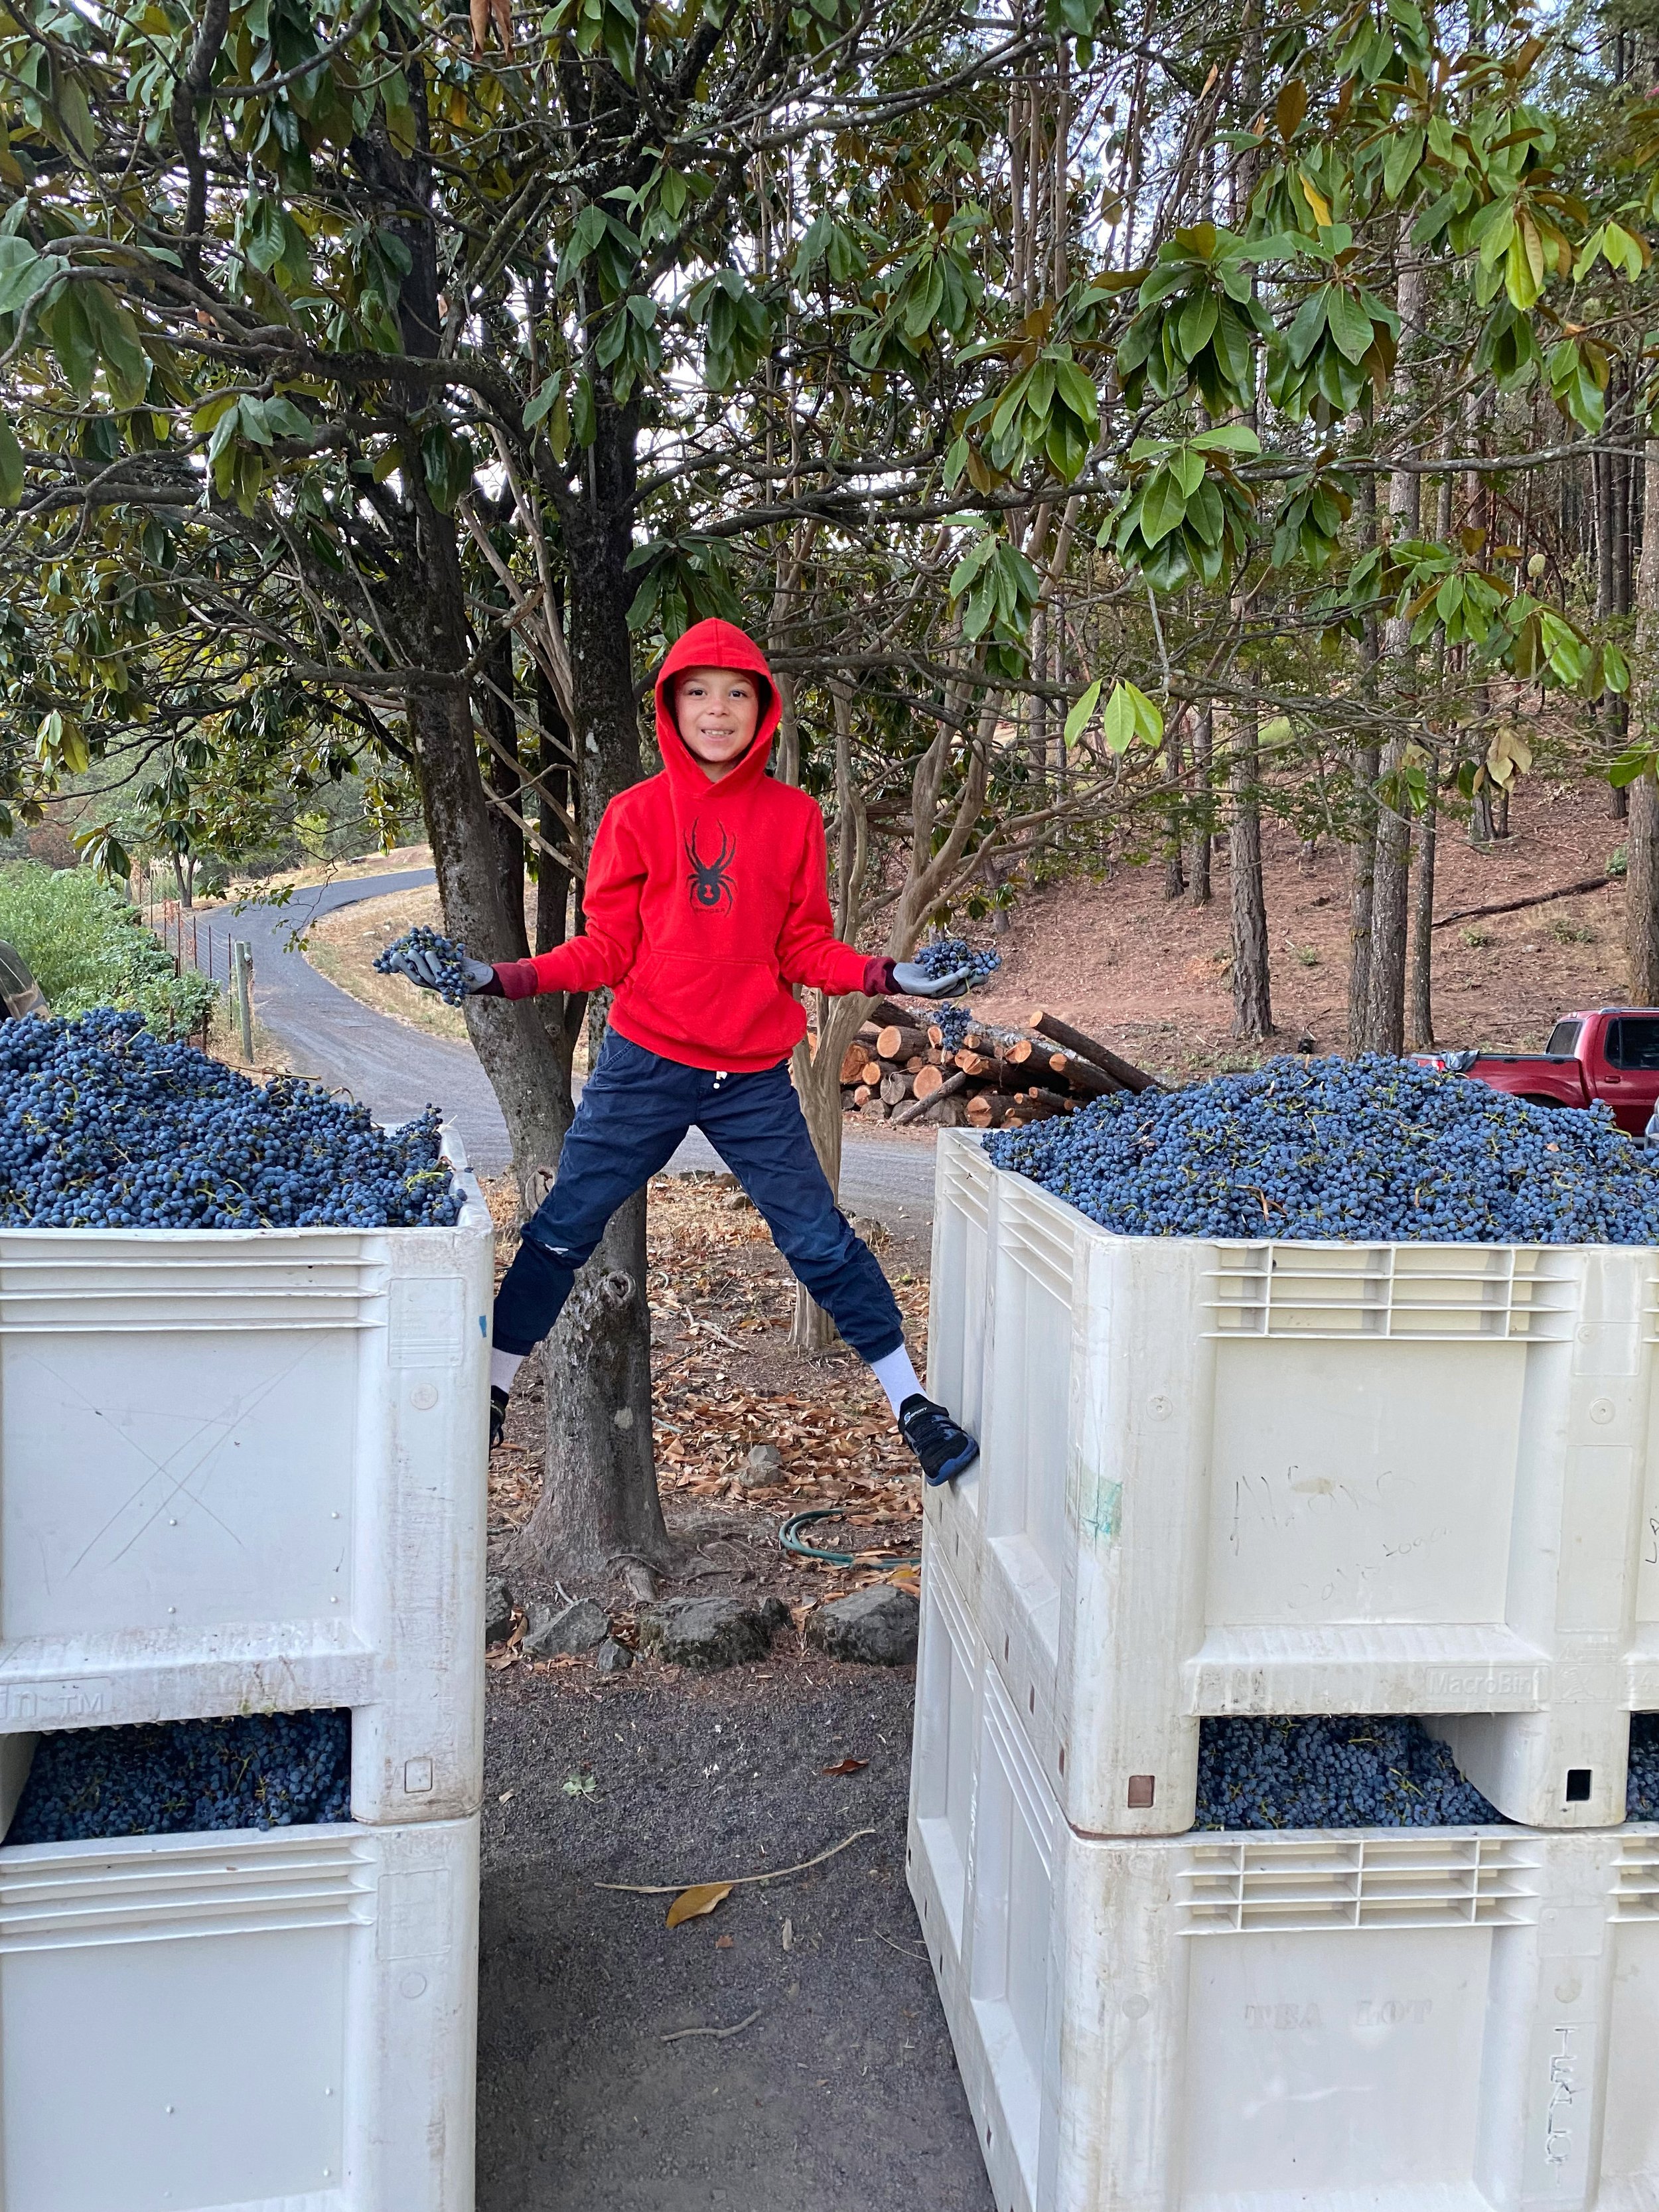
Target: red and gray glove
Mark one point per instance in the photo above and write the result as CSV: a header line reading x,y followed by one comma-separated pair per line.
x,y
882,977
430,973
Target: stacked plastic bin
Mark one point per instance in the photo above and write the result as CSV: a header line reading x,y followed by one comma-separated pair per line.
x,y
1270,1480
242,1472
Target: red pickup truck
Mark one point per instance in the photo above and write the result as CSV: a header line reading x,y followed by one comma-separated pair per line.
x,y
1612,1053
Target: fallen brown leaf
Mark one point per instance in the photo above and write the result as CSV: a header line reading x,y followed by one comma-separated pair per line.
x,y
771,1874
692,1904
846,1767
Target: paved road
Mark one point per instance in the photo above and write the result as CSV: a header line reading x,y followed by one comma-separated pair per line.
x,y
398,1070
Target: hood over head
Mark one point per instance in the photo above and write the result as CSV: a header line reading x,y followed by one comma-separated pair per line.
x,y
716,644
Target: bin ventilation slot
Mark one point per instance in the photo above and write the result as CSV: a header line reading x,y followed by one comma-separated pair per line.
x,y
968,1183
1260,1885
247,1885
1447,1291
1636,1894
123,1288
1037,1246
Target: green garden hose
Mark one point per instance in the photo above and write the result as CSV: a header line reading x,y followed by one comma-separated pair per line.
x,y
790,1537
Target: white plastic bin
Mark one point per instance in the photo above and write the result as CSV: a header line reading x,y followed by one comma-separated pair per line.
x,y
246,1470
1317,2019
961,1291
263,2021
1296,1478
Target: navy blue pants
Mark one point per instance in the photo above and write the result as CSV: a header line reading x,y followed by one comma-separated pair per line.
x,y
634,1111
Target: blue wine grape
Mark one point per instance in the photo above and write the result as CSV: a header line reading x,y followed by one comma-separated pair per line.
x,y
105,1125
173,1778
448,955
944,956
1367,1150
1355,1772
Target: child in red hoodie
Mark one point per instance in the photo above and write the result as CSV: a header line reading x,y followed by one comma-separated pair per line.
x,y
707,897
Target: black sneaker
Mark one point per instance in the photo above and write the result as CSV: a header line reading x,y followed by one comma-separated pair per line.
x,y
497,1415
942,1445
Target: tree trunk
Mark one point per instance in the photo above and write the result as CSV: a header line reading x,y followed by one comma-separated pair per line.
x,y
1611,710
554,779
1642,881
515,1044
1422,977
504,778
1385,998
1362,878
529,1076
1362,861
1253,1012
817,1075
1384,1023
1174,874
598,1500
1199,892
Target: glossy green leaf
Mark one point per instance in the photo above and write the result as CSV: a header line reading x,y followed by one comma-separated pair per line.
x,y
1077,721
1161,506
11,465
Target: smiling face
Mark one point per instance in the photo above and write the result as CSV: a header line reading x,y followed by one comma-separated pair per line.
x,y
717,712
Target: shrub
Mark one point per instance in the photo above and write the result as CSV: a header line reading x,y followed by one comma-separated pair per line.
x,y
89,948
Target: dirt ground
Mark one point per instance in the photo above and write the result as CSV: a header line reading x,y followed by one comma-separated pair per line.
x,y
838,2092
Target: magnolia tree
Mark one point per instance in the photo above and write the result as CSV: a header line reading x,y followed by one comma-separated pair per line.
x,y
1084,422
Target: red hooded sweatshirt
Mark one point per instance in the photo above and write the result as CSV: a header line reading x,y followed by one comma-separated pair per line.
x,y
705,902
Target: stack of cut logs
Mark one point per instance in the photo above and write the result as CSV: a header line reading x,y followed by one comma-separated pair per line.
x,y
899,1068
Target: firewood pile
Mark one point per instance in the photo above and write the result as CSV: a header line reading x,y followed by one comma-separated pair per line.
x,y
904,1066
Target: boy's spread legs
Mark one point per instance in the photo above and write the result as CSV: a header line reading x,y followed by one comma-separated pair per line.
x,y
634,1111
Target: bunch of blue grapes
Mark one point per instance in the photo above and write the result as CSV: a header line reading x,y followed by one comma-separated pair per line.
x,y
1361,1771
179,1777
1371,1149
1642,1791
945,954
449,955
953,1021
105,1125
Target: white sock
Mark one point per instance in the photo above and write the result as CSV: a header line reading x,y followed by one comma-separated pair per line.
x,y
503,1366
896,1376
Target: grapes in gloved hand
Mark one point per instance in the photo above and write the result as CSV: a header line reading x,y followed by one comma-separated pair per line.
x,y
942,969
434,964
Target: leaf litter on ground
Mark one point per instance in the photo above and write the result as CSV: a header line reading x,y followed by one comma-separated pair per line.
x,y
721,1301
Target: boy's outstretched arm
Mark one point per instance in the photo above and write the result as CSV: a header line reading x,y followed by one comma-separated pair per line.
x,y
610,944
809,952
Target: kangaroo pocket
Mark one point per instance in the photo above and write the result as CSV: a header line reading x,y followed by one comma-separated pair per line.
x,y
737,1008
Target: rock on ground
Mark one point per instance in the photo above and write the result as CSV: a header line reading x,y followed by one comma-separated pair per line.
x,y
710,1631
612,1658
763,1465
553,1630
874,1627
498,1610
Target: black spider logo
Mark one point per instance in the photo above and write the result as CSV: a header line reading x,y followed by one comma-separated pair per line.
x,y
710,884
